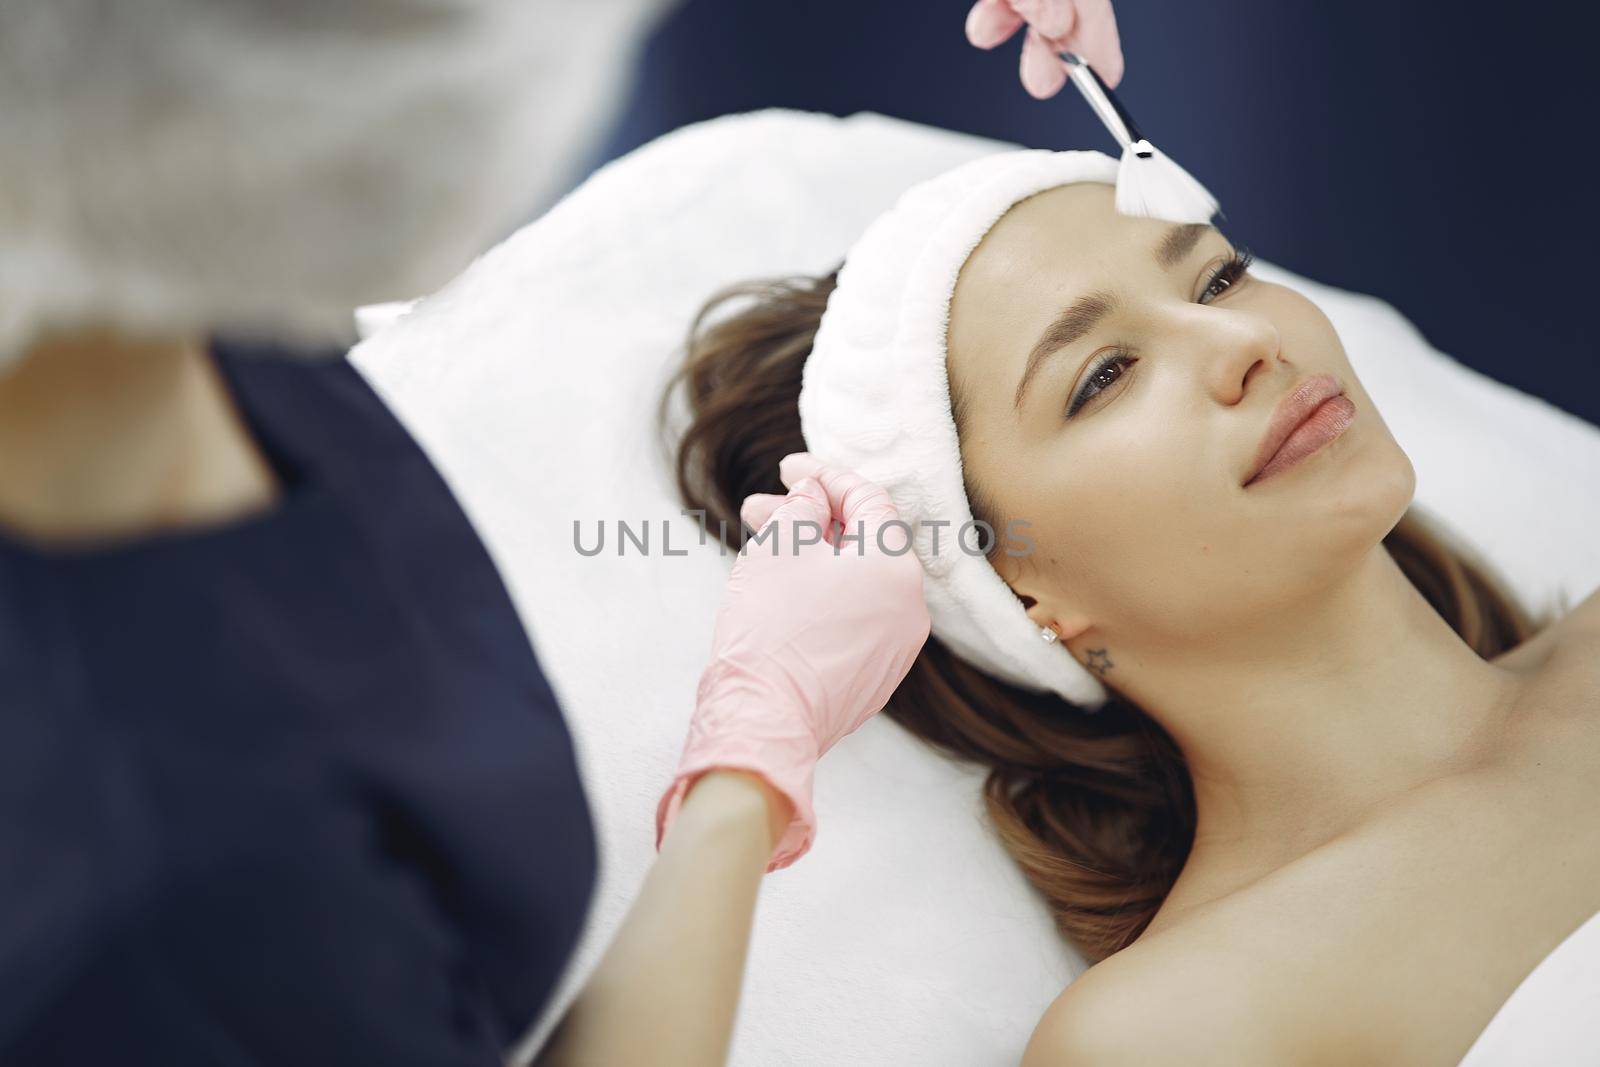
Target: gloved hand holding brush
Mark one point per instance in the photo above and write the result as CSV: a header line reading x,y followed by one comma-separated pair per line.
x,y
1086,27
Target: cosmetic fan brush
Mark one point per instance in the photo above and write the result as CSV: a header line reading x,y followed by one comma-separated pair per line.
x,y
1148,182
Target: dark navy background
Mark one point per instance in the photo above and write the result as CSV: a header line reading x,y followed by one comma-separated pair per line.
x,y
1432,154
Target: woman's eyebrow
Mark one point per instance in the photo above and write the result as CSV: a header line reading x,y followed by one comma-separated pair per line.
x,y
1077,321
1087,312
1179,242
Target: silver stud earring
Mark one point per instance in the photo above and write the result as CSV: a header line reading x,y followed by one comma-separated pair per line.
x,y
1047,635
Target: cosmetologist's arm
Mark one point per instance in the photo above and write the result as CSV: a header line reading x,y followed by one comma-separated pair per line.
x,y
667,989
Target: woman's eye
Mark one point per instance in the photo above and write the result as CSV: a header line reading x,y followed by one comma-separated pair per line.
x,y
1097,381
1228,274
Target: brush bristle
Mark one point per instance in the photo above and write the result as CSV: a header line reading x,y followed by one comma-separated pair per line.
x,y
1156,187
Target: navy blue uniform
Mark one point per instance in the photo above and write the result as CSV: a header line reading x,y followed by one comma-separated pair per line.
x,y
287,791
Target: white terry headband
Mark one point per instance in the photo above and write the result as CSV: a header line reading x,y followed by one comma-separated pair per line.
x,y
875,398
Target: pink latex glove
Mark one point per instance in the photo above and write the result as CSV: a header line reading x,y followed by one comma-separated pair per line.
x,y
809,643
1086,27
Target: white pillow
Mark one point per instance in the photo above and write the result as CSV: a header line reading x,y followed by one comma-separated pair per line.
x,y
907,935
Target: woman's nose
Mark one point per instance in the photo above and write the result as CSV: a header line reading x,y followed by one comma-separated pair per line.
x,y
1239,349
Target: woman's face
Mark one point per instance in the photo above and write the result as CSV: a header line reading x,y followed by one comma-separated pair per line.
x,y
1142,525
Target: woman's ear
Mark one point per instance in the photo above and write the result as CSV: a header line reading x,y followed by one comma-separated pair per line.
x,y
1066,623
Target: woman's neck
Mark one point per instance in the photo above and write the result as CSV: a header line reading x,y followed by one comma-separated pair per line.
x,y
1323,717
108,438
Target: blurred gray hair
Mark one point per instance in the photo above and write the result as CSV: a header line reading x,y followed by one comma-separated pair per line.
x,y
265,166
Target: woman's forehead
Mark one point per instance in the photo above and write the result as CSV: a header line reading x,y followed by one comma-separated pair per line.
x,y
1051,236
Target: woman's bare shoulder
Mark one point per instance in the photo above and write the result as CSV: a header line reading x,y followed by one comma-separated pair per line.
x,y
1586,616
1561,709
1166,1001
1580,626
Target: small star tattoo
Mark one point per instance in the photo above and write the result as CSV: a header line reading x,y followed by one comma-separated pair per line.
x,y
1104,661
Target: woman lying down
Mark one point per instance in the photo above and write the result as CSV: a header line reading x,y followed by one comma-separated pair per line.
x,y
1299,779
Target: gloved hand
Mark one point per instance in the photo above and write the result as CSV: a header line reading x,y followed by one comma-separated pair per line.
x,y
809,643
1086,27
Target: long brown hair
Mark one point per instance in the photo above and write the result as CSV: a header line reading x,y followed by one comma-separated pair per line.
x,y
1098,810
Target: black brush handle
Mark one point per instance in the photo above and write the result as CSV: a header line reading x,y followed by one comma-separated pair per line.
x,y
1104,102
1122,112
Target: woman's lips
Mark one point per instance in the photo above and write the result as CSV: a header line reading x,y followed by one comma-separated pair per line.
x,y
1325,423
